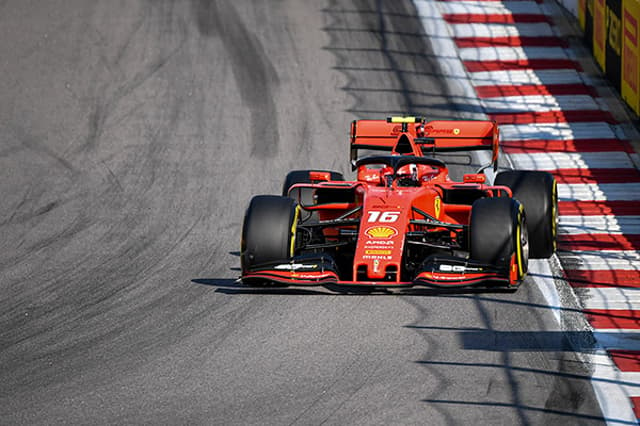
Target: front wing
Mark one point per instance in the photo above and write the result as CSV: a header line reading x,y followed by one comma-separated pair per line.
x,y
436,271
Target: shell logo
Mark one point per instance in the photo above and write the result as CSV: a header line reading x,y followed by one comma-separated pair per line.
x,y
381,232
456,131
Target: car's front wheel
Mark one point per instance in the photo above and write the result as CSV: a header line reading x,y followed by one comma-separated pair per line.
x,y
268,232
498,231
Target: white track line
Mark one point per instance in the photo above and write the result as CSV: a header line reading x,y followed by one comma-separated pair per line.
x,y
539,29
525,77
572,160
627,260
616,338
613,388
540,103
599,225
511,53
445,49
598,192
490,8
612,298
597,130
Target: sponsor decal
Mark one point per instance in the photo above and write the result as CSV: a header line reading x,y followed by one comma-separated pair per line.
x,y
458,268
630,61
377,251
376,257
294,266
456,131
386,217
380,243
384,232
444,277
429,130
599,32
307,276
437,203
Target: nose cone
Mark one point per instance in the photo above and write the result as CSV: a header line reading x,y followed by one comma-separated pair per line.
x,y
380,245
379,253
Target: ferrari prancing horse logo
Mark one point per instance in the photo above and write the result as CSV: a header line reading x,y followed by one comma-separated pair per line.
x,y
436,206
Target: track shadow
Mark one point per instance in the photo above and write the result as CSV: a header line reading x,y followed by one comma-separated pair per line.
x,y
527,408
236,287
510,341
385,55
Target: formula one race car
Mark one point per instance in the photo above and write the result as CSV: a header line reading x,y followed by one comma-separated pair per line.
x,y
403,222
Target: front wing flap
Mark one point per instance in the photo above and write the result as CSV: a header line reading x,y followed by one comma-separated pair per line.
x,y
301,270
449,271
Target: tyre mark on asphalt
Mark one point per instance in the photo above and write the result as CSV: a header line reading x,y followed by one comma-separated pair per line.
x,y
255,75
104,104
106,99
36,145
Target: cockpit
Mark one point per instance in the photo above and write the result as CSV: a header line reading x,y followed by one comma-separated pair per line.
x,y
403,170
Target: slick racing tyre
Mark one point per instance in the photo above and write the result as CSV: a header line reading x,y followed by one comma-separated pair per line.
x,y
302,176
268,231
497,232
538,192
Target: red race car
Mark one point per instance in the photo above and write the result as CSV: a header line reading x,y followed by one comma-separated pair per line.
x,y
404,221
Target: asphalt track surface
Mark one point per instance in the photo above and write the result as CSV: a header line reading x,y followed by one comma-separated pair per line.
x,y
132,136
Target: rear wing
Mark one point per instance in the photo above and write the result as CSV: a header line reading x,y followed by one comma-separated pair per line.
x,y
425,137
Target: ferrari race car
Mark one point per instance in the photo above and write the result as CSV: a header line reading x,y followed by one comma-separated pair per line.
x,y
404,221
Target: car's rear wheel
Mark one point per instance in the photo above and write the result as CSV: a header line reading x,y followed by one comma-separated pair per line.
x,y
268,231
538,192
498,231
302,176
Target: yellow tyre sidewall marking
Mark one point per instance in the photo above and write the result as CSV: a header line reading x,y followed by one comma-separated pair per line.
x,y
293,231
519,259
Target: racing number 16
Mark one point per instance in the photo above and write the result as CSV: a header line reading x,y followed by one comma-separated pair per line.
x,y
385,217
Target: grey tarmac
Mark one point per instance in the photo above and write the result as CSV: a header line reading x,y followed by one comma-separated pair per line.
x,y
132,136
